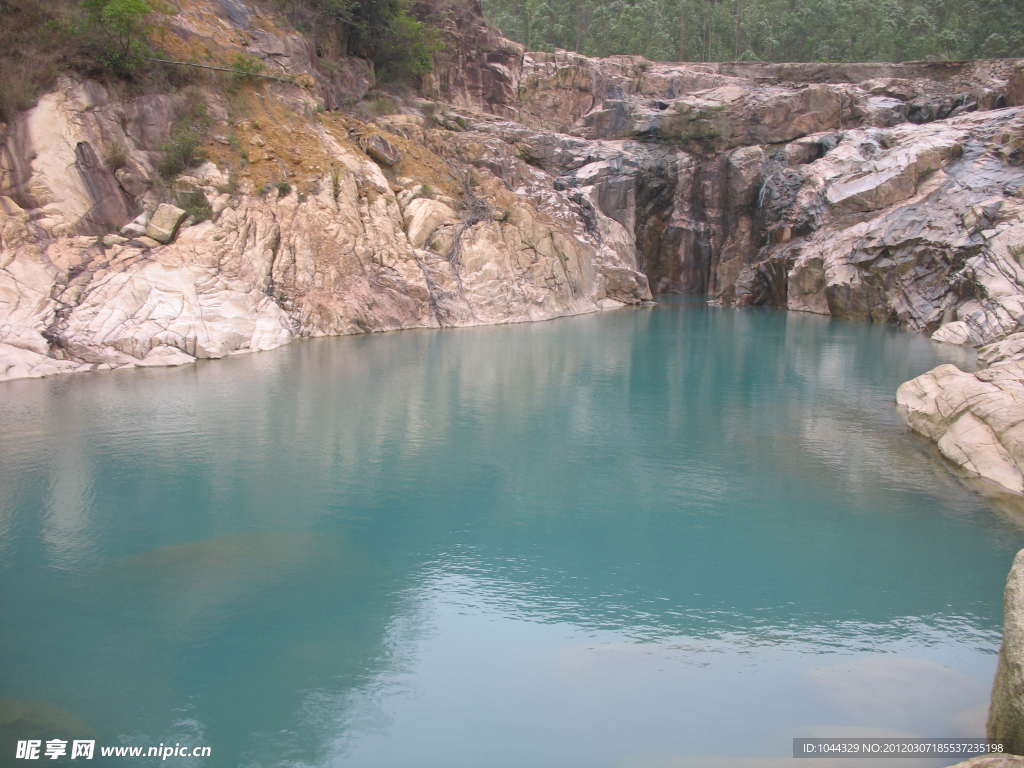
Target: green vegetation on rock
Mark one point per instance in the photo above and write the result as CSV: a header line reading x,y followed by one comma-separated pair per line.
x,y
187,138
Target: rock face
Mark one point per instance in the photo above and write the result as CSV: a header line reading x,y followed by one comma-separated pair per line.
x,y
1006,714
525,186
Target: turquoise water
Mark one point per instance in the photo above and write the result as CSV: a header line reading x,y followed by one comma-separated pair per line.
x,y
650,538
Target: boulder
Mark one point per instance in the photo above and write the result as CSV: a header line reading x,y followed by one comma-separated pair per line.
x,y
382,150
165,222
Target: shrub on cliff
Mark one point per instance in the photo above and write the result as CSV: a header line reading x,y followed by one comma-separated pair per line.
x,y
187,138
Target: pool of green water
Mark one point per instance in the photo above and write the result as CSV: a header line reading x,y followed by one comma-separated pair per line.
x,y
650,538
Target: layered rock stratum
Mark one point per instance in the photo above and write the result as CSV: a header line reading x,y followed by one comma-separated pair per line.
x,y
515,186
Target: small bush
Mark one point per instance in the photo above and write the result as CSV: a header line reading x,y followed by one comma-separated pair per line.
x,y
283,188
187,137
117,156
195,204
246,67
376,104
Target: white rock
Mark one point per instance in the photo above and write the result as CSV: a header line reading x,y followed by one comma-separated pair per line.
x,y
137,227
165,355
423,217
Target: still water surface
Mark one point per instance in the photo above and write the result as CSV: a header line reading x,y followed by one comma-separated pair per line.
x,y
651,538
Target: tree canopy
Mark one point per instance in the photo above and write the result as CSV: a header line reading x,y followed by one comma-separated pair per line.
x,y
768,30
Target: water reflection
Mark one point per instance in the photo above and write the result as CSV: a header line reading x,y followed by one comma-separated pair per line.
x,y
619,535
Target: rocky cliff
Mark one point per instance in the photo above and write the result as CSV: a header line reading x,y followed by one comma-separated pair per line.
x,y
1006,713
514,186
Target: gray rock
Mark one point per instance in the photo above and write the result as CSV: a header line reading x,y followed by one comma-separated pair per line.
x,y
382,150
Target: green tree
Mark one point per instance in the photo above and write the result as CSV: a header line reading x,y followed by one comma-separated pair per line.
x,y
119,27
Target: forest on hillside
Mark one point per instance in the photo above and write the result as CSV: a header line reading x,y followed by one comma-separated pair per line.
x,y
768,30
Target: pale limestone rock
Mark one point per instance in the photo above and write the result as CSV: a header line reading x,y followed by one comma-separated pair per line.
x,y
884,183
976,419
956,332
26,305
163,226
19,363
56,150
611,167
423,217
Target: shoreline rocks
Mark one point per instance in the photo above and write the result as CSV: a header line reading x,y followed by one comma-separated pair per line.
x,y
1006,713
975,419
